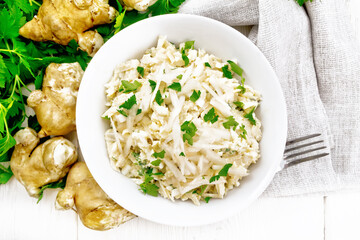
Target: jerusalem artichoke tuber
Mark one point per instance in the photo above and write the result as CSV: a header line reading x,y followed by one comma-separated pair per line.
x,y
63,20
55,104
35,166
96,210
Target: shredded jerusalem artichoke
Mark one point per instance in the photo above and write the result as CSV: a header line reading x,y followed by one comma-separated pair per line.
x,y
181,124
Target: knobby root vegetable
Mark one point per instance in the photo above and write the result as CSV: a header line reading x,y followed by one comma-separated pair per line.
x,y
55,104
140,5
35,166
63,20
96,210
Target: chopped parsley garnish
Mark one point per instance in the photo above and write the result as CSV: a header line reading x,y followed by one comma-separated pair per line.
x,y
185,58
152,85
189,45
175,86
138,111
158,98
122,112
230,123
156,162
207,65
235,68
179,76
241,86
159,154
222,173
240,105
195,95
243,131
250,116
226,72
148,187
211,116
140,70
182,154
200,190
207,199
128,86
128,104
105,117
190,129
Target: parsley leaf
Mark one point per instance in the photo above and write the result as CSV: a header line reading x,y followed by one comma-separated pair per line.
x,y
226,72
130,87
207,199
122,112
179,76
140,70
119,20
200,190
195,96
33,123
242,86
185,58
159,154
230,123
156,162
128,104
59,184
182,154
222,173
175,86
138,111
243,131
207,65
5,174
165,6
149,188
190,130
189,45
210,116
235,68
158,98
240,105
152,85
302,2
250,116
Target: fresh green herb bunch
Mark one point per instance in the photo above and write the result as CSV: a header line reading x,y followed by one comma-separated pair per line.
x,y
23,61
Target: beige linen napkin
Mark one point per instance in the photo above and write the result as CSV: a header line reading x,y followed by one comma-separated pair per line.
x,y
317,61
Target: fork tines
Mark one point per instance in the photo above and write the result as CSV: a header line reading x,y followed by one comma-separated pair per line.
x,y
301,146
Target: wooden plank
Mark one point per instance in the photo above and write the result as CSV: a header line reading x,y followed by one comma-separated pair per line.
x,y
283,218
342,216
22,218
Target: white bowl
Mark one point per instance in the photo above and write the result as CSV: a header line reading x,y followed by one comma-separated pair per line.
x,y
218,39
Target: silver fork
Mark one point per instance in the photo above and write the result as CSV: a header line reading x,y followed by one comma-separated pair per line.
x,y
294,150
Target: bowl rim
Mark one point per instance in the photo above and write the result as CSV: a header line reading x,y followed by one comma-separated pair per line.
x,y
81,130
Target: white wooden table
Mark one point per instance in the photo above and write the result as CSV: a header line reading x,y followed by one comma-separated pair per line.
x,y
332,217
